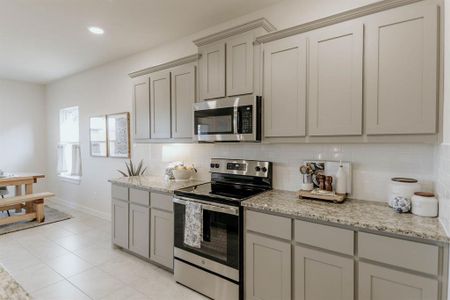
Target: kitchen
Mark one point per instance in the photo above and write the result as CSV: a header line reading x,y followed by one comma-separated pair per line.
x,y
246,103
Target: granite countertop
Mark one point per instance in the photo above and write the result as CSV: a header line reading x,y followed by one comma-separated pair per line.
x,y
9,288
154,183
369,215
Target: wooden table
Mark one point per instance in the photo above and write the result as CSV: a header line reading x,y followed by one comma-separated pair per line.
x,y
18,180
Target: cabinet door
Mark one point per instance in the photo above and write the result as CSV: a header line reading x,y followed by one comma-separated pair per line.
x,y
183,97
322,276
212,71
160,105
380,283
240,65
335,80
140,230
268,268
141,107
162,238
120,223
285,87
401,71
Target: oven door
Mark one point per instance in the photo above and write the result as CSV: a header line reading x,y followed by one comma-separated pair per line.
x,y
221,230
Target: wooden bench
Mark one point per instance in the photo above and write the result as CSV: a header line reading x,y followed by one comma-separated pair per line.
x,y
33,204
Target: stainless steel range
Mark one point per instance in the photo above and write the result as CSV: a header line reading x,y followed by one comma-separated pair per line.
x,y
215,268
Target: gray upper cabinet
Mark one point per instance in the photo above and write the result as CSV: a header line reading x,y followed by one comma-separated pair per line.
x,y
183,97
401,70
239,66
335,80
212,71
322,276
381,283
160,105
229,62
140,230
141,107
285,87
267,268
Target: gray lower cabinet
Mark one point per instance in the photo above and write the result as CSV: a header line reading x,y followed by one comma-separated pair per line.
x,y
381,283
322,276
325,266
161,246
142,222
139,240
120,223
267,267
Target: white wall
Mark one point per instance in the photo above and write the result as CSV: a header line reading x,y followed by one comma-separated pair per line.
x,y
443,151
23,134
107,89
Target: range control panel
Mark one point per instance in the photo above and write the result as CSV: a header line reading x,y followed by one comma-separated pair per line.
x,y
241,167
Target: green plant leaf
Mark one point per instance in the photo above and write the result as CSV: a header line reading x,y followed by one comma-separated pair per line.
x,y
128,169
143,171
132,168
138,170
123,173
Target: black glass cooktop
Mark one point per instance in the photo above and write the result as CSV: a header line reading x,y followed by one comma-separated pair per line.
x,y
220,191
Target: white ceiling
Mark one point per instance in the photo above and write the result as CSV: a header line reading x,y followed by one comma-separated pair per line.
x,y
43,40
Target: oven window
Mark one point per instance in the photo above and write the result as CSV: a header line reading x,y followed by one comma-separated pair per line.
x,y
214,121
220,236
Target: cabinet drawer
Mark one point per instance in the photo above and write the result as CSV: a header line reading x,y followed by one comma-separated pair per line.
x,y
411,255
162,201
140,197
119,192
323,236
268,224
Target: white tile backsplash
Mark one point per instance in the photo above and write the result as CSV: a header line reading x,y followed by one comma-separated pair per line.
x,y
373,164
443,183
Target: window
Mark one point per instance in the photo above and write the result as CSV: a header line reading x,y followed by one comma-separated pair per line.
x,y
69,155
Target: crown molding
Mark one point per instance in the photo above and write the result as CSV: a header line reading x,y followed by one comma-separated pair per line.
x,y
258,23
334,19
167,65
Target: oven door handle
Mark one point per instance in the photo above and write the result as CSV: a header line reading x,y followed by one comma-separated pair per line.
x,y
230,210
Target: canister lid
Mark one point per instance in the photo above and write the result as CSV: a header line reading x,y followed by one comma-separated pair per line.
x,y
424,194
404,180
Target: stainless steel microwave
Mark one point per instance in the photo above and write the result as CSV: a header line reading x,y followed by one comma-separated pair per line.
x,y
233,119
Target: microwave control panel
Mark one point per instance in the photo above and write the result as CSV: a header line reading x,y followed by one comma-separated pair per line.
x,y
246,119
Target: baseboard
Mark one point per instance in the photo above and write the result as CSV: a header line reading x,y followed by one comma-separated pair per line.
x,y
81,208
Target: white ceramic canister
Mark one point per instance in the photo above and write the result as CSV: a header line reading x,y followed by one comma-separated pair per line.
x,y
402,187
424,204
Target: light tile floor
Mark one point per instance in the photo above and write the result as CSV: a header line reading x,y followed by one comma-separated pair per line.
x,y
74,260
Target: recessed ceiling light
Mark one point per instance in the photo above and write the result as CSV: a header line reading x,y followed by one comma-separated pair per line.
x,y
96,30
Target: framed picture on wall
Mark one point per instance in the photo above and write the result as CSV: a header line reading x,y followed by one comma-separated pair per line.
x,y
98,136
119,135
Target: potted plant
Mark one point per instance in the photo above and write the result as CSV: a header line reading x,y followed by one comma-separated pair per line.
x,y
132,171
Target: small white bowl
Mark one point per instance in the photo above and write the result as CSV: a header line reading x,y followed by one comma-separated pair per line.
x,y
183,175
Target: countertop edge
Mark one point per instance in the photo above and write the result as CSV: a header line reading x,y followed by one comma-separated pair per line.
x,y
356,226
156,187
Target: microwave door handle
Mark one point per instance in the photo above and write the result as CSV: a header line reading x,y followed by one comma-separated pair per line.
x,y
235,119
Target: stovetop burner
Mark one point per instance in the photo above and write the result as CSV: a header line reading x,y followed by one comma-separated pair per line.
x,y
232,181
230,192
